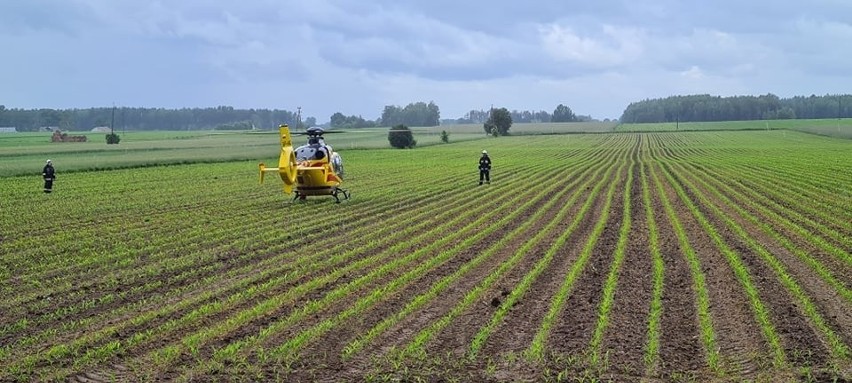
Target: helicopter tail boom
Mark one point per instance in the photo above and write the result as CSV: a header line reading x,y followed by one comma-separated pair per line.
x,y
264,169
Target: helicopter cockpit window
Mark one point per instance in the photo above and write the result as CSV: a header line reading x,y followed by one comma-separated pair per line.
x,y
311,152
304,153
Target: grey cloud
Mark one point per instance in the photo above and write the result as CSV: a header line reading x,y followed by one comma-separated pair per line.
x,y
214,51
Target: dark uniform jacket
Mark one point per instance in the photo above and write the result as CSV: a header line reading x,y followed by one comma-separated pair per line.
x,y
48,172
484,162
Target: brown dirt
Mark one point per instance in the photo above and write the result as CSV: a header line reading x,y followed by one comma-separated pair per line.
x,y
624,342
744,352
802,344
738,336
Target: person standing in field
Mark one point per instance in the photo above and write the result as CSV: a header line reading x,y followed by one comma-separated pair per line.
x,y
484,168
49,175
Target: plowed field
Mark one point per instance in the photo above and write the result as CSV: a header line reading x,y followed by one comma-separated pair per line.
x,y
703,256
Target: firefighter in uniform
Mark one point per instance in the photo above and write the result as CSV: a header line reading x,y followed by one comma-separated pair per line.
x,y
49,175
484,168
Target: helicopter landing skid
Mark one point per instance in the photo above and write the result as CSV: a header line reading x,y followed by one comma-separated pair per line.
x,y
335,193
338,191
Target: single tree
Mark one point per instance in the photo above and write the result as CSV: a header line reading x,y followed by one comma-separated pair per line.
x,y
337,120
501,120
563,114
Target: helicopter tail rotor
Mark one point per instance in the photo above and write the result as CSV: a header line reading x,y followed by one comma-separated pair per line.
x,y
287,168
286,163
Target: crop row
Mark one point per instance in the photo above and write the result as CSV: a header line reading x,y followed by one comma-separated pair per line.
x,y
195,271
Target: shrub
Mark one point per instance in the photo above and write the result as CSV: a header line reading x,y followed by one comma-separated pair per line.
x,y
112,138
400,137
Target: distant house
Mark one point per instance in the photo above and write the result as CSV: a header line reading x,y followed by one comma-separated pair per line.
x,y
101,129
8,129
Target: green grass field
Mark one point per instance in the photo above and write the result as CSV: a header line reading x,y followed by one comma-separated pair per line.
x,y
841,128
25,153
664,256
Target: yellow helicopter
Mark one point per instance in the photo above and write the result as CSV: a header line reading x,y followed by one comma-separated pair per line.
x,y
313,169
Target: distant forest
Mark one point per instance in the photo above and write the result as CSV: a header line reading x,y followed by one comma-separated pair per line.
x,y
136,119
701,108
692,108
226,117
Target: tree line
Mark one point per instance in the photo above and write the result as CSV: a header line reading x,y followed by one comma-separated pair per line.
x,y
700,108
227,117
562,113
429,114
413,114
670,109
140,119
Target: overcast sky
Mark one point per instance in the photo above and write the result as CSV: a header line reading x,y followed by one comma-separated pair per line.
x,y
356,56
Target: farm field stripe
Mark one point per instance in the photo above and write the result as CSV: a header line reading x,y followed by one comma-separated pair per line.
x,y
295,344
754,201
699,286
808,200
290,347
838,348
195,341
324,300
331,297
758,308
612,277
66,312
652,350
179,244
233,348
790,208
260,224
782,214
75,342
361,341
825,273
814,183
428,333
819,203
536,349
812,198
126,322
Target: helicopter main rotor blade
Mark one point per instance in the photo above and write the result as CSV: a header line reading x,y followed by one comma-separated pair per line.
x,y
316,134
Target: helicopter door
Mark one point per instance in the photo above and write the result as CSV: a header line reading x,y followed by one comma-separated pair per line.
x,y
337,164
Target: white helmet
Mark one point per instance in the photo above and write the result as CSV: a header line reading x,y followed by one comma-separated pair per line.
x,y
48,161
484,152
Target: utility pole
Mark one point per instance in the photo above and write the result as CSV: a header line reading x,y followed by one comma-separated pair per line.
x,y
299,117
839,110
